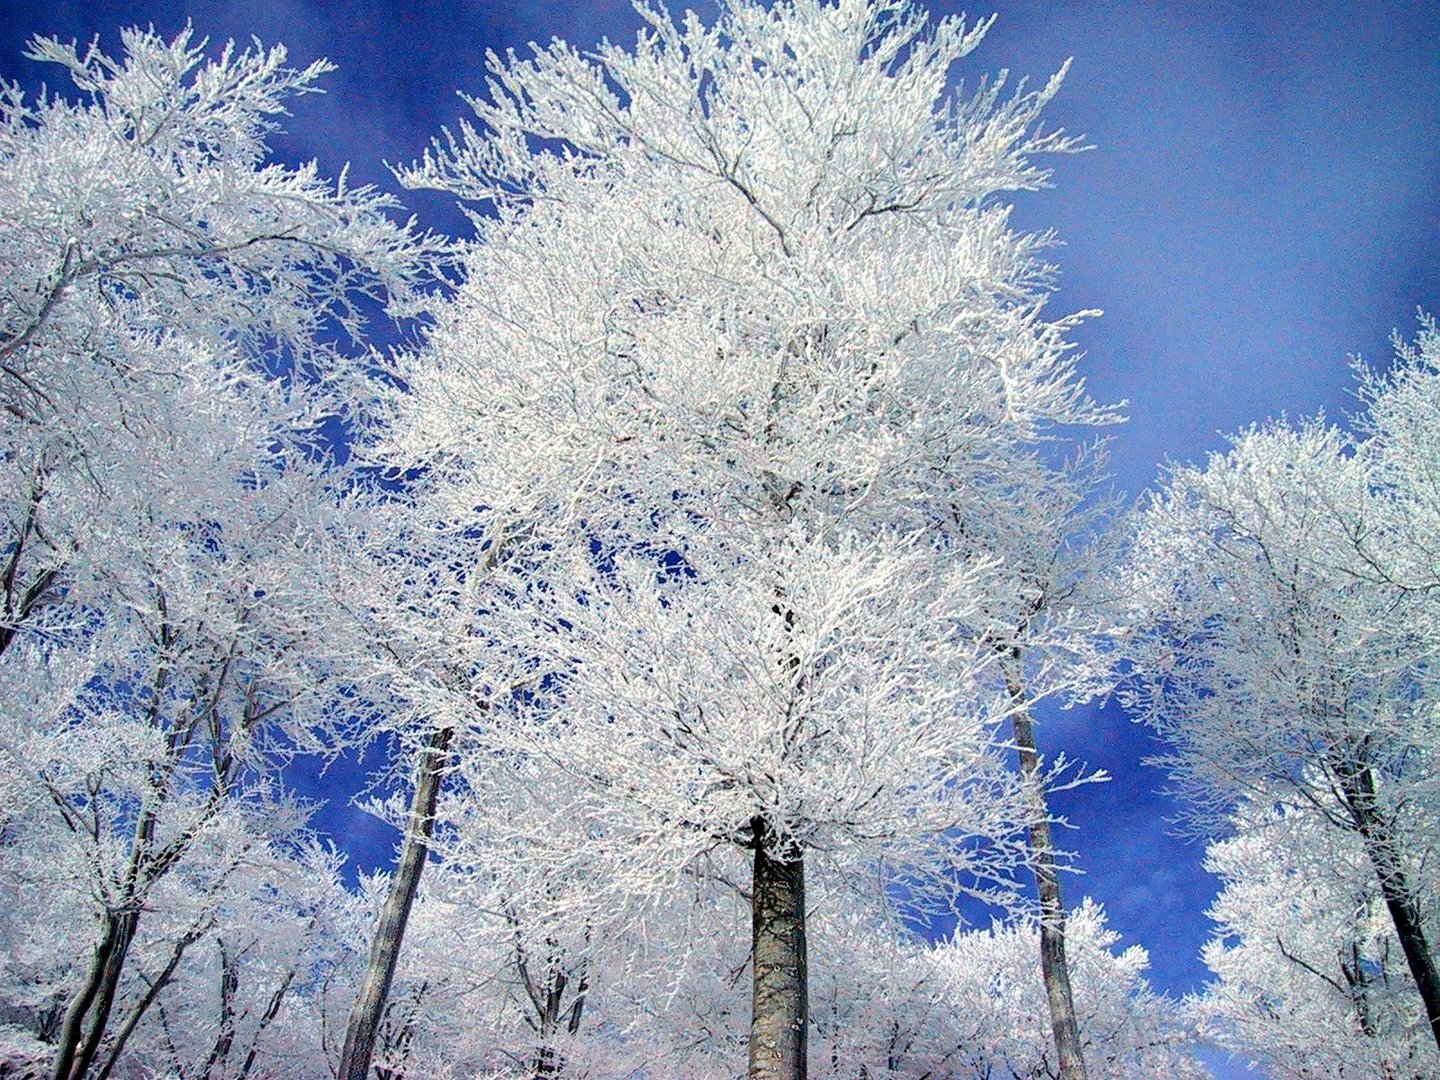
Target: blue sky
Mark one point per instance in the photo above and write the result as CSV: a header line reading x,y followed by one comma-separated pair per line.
x,y
1262,203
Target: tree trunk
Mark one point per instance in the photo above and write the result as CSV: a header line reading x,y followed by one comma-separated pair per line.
x,y
390,932
89,1011
88,1014
162,980
548,1062
1358,786
1054,968
225,1037
553,1014
780,1011
266,1018
1352,967
19,600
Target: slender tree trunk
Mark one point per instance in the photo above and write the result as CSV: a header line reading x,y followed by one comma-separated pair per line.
x,y
549,1060
225,1037
89,1012
553,1015
780,1010
1352,967
1054,968
16,599
1358,785
266,1018
390,932
162,980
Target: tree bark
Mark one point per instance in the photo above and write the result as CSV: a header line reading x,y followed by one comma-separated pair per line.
x,y
88,1014
553,1014
266,1018
225,1036
20,600
1054,968
780,1011
89,1011
117,1045
1358,786
390,932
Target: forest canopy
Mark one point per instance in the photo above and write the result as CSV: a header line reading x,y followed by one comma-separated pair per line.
x,y
703,544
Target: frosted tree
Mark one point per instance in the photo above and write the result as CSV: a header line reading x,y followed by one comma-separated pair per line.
x,y
1399,548
208,977
975,1005
1283,666
142,743
745,338
154,254
237,1002
171,301
415,592
555,952
510,972
1049,533
435,1002
987,983
1310,979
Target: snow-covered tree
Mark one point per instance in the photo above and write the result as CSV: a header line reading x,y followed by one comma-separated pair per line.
x,y
170,303
212,978
153,256
136,745
1048,534
744,343
1278,644
416,594
242,1003
1402,548
1310,979
974,1006
504,975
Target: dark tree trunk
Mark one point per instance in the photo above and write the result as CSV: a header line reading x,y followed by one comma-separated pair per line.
x,y
272,1010
225,1037
89,1012
548,1062
162,980
390,932
780,1010
1054,968
18,600
1352,967
554,1015
1358,787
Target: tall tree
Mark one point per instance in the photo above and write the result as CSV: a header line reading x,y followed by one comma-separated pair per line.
x,y
415,593
154,256
1273,645
1401,448
171,719
364,1024
168,369
740,347
1048,532
975,1007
